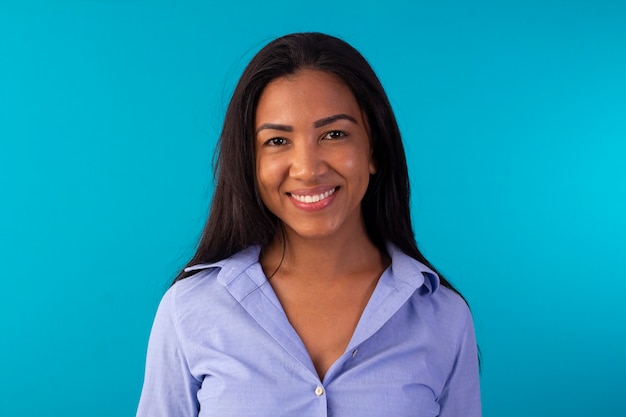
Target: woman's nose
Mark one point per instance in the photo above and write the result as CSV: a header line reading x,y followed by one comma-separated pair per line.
x,y
308,162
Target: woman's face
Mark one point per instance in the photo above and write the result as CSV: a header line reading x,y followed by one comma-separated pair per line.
x,y
313,155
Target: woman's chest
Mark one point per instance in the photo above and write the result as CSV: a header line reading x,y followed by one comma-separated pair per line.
x,y
250,372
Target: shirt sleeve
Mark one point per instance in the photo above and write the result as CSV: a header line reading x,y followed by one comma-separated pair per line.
x,y
461,394
169,388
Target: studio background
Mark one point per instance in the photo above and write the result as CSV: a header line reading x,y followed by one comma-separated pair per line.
x,y
514,120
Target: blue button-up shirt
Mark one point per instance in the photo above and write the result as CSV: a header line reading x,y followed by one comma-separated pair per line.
x,y
221,345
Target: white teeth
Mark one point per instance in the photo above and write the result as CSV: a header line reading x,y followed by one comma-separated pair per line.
x,y
308,199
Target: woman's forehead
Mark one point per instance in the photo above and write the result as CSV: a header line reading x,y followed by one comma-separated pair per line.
x,y
306,93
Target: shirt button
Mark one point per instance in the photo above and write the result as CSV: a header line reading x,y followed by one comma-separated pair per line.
x,y
354,352
319,391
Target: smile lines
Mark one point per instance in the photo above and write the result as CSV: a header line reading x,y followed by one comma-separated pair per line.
x,y
313,198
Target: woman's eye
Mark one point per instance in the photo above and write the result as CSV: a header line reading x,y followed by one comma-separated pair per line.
x,y
276,142
335,134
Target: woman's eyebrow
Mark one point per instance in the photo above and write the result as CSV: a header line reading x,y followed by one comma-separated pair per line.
x,y
318,123
274,126
328,120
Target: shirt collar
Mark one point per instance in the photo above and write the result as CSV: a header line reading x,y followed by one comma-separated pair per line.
x,y
404,267
411,270
231,267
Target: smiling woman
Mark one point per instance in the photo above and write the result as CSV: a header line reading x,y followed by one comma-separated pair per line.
x,y
313,157
307,294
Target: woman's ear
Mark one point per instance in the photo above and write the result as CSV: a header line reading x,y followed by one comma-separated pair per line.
x,y
372,164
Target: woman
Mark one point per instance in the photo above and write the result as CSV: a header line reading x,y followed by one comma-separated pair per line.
x,y
307,295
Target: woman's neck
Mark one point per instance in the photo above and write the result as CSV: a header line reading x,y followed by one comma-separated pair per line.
x,y
319,260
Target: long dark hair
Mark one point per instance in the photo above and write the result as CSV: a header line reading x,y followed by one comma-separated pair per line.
x,y
238,218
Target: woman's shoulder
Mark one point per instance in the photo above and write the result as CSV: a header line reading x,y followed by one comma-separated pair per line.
x,y
451,305
442,301
207,290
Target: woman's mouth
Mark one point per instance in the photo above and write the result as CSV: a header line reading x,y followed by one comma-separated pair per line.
x,y
313,198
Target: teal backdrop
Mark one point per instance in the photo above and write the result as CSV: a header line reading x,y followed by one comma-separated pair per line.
x,y
514,119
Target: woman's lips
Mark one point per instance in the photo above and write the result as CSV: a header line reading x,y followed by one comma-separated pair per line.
x,y
312,199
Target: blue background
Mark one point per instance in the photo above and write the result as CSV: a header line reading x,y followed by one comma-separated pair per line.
x,y
514,118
